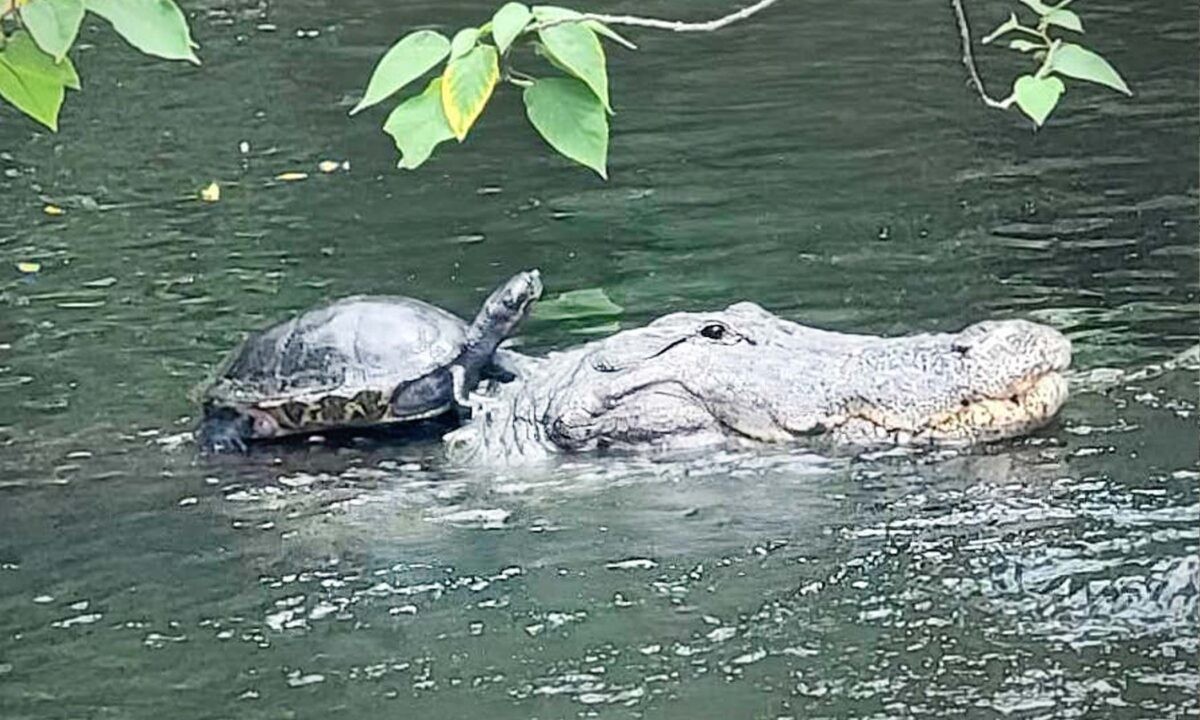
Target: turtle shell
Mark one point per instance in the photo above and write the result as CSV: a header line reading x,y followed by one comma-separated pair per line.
x,y
338,364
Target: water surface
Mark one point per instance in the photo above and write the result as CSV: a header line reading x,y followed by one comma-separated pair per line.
x,y
824,160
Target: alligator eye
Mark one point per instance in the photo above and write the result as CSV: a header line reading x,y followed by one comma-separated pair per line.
x,y
713,331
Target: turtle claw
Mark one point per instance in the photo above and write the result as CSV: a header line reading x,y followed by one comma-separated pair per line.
x,y
235,445
219,434
473,403
482,405
224,445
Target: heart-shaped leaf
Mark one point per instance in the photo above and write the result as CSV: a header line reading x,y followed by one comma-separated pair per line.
x,y
32,81
35,96
53,24
1037,96
418,125
509,22
410,58
1064,19
463,41
467,85
22,52
570,117
156,27
577,49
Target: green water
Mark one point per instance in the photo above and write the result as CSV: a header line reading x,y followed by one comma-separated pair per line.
x,y
824,160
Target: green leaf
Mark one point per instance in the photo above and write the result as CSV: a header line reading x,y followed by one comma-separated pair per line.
x,y
549,13
410,58
35,96
570,117
23,52
1037,6
467,84
509,22
1078,62
578,49
463,41
1010,24
1024,45
599,328
156,27
418,125
32,81
1037,96
576,304
542,51
53,24
1064,19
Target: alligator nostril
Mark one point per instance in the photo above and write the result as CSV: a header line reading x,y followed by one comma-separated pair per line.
x,y
1015,400
965,402
603,365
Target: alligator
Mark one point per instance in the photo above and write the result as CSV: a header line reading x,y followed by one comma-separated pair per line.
x,y
744,375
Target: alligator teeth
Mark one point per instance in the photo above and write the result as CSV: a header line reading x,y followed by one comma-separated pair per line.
x,y
1031,404
1026,405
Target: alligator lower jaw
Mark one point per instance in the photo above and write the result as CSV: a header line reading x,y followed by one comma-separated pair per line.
x,y
1026,406
1031,404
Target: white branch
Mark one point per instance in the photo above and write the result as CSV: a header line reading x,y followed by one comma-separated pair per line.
x,y
657,24
968,58
960,16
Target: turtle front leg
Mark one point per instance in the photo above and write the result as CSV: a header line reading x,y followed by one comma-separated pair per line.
x,y
224,431
477,404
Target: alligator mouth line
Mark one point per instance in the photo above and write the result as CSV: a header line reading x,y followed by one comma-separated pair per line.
x,y
1028,404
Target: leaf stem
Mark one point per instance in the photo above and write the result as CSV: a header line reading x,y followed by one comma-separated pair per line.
x,y
518,78
1044,70
1032,31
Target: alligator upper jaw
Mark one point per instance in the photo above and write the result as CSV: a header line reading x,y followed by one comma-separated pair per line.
x,y
1028,404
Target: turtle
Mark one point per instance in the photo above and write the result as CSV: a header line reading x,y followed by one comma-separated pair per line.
x,y
358,361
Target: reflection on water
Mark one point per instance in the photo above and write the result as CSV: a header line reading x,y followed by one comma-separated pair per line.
x,y
854,184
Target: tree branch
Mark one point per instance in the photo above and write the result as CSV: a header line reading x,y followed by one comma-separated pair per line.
x,y
960,16
657,24
968,58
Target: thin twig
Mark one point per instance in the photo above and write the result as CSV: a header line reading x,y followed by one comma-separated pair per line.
x,y
623,42
657,24
968,58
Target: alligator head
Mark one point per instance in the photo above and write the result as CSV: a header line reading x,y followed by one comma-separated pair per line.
x,y
743,373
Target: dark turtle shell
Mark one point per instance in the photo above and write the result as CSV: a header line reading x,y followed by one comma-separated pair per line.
x,y
337,364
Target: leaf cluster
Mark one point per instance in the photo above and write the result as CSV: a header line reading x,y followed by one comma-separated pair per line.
x,y
1038,93
569,109
36,35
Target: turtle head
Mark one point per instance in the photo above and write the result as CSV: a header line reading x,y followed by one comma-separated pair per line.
x,y
509,305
